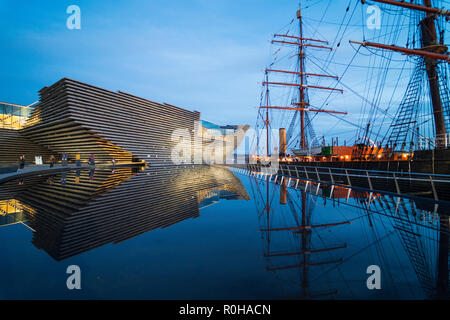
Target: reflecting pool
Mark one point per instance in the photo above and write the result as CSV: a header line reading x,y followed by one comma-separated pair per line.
x,y
201,232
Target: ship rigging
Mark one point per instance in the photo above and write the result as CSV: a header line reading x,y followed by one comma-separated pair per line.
x,y
391,128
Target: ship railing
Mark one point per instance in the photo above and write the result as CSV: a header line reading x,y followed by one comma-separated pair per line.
x,y
442,140
409,184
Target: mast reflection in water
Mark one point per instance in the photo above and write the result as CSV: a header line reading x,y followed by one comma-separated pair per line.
x,y
306,241
323,253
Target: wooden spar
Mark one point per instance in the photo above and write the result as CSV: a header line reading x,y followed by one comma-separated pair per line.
x,y
307,227
301,44
419,52
305,74
298,38
301,85
304,252
412,6
302,109
304,265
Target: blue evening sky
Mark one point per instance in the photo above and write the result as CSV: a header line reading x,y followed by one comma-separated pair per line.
x,y
205,55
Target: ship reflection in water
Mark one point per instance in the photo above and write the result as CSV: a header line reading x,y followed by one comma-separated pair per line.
x,y
325,251
313,242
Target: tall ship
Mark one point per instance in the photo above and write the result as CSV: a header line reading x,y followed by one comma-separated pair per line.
x,y
403,117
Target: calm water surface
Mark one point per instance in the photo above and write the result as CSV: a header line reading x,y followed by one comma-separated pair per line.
x,y
211,233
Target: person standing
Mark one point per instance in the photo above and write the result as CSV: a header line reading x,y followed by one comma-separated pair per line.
x,y
92,160
77,160
77,176
22,161
91,173
52,161
64,159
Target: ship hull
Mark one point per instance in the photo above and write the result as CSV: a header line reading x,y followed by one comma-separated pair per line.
x,y
427,161
425,176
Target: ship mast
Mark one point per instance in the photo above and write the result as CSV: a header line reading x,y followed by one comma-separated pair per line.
x,y
302,104
432,51
304,229
429,39
267,117
301,89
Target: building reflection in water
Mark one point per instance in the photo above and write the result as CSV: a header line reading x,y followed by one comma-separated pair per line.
x,y
320,240
77,211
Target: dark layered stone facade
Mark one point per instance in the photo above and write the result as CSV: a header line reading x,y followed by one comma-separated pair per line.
x,y
77,118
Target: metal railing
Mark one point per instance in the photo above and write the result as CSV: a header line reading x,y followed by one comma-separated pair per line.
x,y
431,143
409,184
